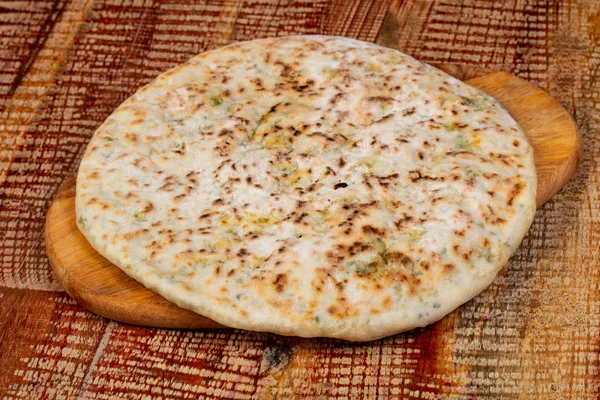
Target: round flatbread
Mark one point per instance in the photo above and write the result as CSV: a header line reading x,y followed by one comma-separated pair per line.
x,y
310,186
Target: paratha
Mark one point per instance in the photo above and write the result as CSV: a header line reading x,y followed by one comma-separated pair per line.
x,y
311,185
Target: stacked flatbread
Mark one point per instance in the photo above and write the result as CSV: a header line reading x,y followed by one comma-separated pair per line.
x,y
310,186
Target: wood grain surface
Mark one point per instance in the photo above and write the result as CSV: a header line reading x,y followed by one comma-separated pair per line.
x,y
105,290
66,64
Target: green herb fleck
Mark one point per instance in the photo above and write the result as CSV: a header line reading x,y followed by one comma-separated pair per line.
x,y
215,101
469,101
140,217
234,108
450,127
362,267
488,254
414,271
444,100
379,246
479,105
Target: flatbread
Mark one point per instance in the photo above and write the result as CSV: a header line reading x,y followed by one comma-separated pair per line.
x,y
309,186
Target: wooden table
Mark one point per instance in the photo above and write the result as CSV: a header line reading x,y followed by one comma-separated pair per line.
x,y
65,65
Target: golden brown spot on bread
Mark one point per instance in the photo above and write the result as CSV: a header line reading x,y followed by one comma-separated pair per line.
x,y
409,111
334,258
490,216
514,192
280,282
416,175
356,248
402,221
448,268
336,98
380,99
467,256
132,182
387,302
134,234
167,187
371,230
149,207
488,175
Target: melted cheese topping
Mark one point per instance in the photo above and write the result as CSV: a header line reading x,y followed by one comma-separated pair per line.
x,y
312,186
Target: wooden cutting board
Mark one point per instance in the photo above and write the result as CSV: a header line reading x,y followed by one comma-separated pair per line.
x,y
105,290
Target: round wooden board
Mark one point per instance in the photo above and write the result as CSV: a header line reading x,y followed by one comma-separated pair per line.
x,y
105,290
